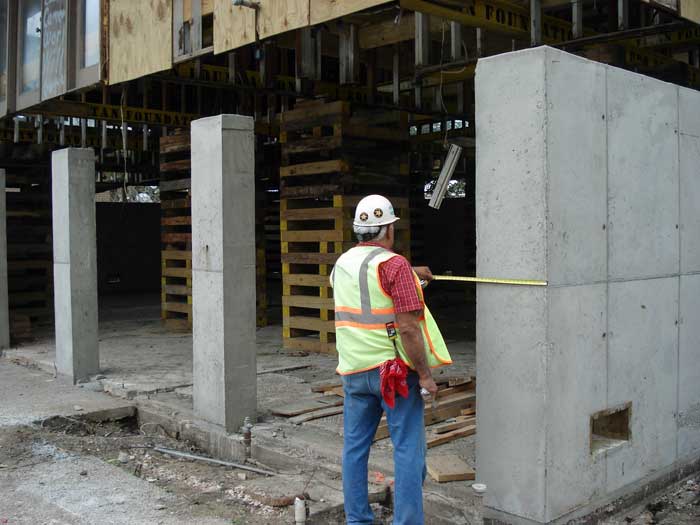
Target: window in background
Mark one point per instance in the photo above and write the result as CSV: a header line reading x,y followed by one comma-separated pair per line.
x,y
31,44
91,33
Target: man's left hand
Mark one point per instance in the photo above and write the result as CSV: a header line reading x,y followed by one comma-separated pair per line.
x,y
423,273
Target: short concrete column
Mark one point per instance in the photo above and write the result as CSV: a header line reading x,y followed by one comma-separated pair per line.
x,y
75,263
4,304
223,269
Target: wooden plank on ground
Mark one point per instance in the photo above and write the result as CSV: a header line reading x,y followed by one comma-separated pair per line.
x,y
302,407
433,440
325,386
316,414
447,408
459,422
281,369
449,468
339,391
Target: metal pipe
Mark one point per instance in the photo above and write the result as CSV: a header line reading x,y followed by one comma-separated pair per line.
x,y
177,453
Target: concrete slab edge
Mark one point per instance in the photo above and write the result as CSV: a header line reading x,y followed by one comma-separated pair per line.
x,y
214,440
626,497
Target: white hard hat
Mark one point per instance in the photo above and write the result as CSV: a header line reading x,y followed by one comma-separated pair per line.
x,y
374,210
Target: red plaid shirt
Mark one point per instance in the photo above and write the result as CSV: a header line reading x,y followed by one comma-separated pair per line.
x,y
396,277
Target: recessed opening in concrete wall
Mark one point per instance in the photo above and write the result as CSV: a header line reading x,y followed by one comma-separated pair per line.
x,y
610,428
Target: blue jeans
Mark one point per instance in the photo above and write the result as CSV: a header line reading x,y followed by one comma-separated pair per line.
x,y
362,413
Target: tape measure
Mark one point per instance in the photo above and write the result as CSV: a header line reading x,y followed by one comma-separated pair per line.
x,y
488,280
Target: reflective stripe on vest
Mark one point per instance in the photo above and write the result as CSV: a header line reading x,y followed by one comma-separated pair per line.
x,y
361,336
365,315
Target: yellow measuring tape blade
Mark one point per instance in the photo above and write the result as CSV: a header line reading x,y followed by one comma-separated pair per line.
x,y
518,282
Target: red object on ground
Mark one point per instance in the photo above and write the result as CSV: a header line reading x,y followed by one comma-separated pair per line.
x,y
393,375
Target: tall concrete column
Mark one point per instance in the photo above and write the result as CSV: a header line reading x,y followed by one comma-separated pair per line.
x,y
75,263
223,269
4,304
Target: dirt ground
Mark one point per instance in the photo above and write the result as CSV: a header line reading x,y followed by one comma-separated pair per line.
x,y
200,490
679,504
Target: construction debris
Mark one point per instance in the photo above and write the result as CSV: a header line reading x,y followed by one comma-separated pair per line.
x,y
456,397
449,468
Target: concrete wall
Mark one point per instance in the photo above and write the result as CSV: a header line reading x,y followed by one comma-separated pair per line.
x,y
588,177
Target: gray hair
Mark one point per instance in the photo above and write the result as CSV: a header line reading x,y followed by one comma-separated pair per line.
x,y
370,233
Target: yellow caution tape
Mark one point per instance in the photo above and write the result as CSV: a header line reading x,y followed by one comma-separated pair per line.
x,y
518,282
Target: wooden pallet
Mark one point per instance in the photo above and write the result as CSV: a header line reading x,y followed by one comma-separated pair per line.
x,y
29,251
331,158
176,231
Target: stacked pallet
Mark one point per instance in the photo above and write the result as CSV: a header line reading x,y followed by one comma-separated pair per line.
x,y
331,158
176,231
452,417
29,250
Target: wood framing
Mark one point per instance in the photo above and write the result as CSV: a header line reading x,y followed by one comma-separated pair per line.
x,y
324,10
140,38
234,27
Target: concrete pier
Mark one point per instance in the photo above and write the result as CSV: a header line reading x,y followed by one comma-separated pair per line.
x,y
4,303
75,263
223,270
589,387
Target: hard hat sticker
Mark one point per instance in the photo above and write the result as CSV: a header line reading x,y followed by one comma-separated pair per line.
x,y
363,216
378,212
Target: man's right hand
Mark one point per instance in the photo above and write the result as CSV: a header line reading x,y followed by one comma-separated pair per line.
x,y
428,383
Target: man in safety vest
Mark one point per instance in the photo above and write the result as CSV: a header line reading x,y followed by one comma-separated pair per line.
x,y
378,294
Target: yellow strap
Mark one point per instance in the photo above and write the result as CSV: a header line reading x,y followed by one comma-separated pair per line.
x,y
519,282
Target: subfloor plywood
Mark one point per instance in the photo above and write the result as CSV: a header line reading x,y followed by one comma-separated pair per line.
x,y
140,38
234,27
324,10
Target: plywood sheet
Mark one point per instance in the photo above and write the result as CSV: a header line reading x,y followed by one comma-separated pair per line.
x,y
324,10
690,9
233,26
207,8
140,40
280,16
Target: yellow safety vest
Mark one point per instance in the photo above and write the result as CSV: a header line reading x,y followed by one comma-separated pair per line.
x,y
362,310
